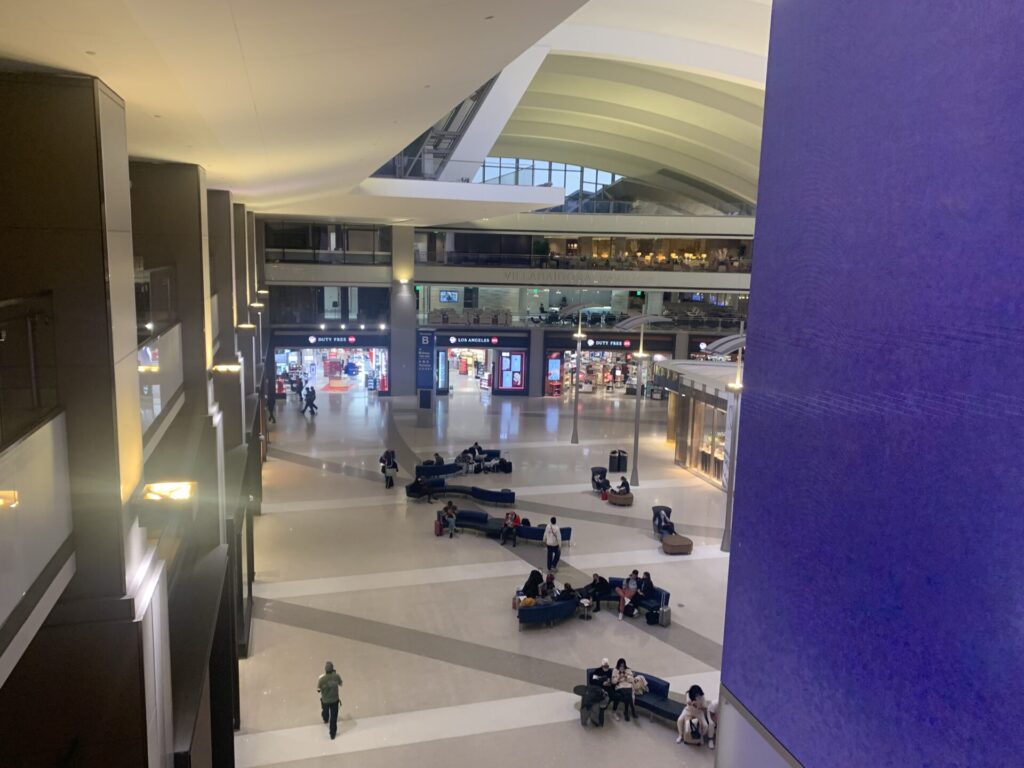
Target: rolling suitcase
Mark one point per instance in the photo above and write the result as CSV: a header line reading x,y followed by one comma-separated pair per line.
x,y
438,527
664,613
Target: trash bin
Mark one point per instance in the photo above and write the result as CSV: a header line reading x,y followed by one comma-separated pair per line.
x,y
617,461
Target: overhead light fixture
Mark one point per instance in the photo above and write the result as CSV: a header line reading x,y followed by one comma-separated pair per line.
x,y
382,326
323,326
362,327
226,368
149,326
734,386
262,291
8,499
256,305
246,327
343,326
404,281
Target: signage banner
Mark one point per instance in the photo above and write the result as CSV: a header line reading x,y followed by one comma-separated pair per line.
x,y
337,339
482,339
600,342
424,359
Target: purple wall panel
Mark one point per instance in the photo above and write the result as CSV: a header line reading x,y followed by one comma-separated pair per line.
x,y
876,592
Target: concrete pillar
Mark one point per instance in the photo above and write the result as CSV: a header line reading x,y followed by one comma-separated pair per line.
x,y
222,267
66,229
682,348
242,296
538,364
169,220
403,313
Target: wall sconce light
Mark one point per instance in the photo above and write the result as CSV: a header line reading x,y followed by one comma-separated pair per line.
x,y
404,281
158,501
256,305
383,326
734,386
262,291
246,327
343,326
323,326
226,368
362,327
149,369
8,499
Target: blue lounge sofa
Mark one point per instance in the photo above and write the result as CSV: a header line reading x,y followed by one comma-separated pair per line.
x,y
547,613
444,470
536,533
656,700
438,487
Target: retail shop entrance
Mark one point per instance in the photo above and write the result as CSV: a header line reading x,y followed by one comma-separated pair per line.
x,y
343,363
482,362
607,366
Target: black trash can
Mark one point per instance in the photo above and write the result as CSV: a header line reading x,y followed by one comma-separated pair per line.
x,y
613,461
623,462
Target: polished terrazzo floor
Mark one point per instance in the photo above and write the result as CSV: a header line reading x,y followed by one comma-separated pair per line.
x,y
421,628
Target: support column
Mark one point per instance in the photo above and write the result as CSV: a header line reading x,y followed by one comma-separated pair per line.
x,y
538,365
66,229
169,219
403,314
222,267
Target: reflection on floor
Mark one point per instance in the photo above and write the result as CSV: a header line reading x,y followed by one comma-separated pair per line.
x,y
421,628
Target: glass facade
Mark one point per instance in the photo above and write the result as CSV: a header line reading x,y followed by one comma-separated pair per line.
x,y
304,305
591,190
320,243
625,253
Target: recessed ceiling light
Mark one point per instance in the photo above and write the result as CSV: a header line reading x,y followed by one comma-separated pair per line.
x,y
488,18
90,53
426,86
158,116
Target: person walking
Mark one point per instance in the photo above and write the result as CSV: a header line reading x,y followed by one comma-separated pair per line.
x,y
310,401
553,540
271,404
390,469
328,686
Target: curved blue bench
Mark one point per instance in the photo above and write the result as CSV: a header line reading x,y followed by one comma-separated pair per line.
x,y
536,533
438,487
433,470
656,700
547,613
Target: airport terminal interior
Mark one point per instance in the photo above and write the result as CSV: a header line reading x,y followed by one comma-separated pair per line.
x,y
394,383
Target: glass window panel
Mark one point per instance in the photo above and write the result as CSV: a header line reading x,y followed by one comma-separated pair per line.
x,y
558,178
526,177
541,176
491,173
572,168
558,166
589,174
604,178
525,163
572,181
479,176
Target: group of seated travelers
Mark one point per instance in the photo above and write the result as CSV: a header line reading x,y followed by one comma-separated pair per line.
x,y
604,484
696,723
634,589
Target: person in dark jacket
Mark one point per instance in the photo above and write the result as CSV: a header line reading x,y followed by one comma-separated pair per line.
x,y
623,487
567,593
532,586
310,401
646,589
548,588
271,404
595,590
602,676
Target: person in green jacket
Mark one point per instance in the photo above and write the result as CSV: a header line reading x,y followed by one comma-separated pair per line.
x,y
327,686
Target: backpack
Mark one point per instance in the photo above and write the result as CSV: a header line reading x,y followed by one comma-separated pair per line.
x,y
630,610
653,617
525,522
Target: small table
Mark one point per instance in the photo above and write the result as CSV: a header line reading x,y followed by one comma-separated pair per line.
x,y
585,604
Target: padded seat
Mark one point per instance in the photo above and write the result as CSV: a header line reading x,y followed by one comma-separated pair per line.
x,y
547,613
620,499
674,544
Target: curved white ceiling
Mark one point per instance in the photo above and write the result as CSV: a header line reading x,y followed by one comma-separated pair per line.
x,y
285,103
653,85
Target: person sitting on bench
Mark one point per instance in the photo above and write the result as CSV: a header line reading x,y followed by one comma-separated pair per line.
x,y
509,527
594,591
567,593
476,450
623,487
548,588
422,488
438,460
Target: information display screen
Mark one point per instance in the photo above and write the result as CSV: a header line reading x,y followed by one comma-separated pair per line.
x,y
513,371
448,297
